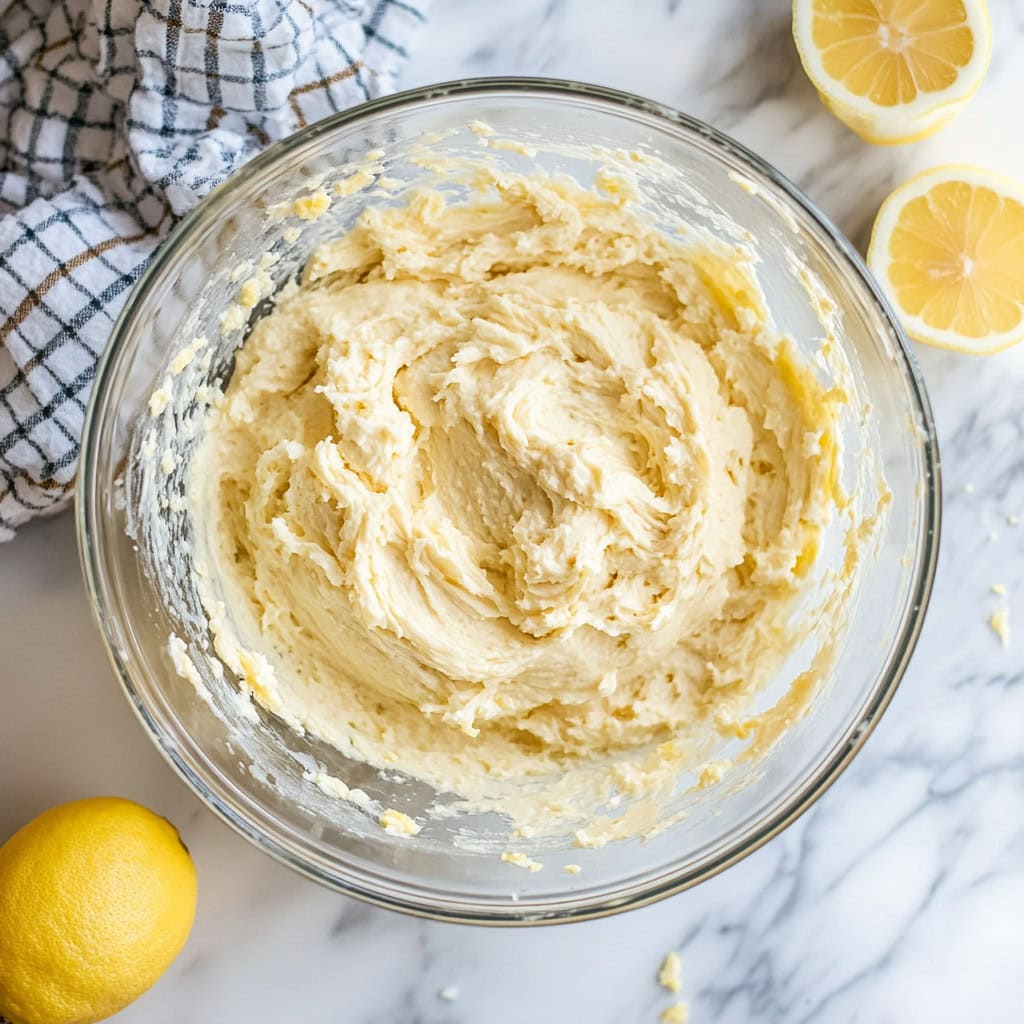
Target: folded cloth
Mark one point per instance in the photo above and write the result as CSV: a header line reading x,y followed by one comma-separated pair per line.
x,y
116,116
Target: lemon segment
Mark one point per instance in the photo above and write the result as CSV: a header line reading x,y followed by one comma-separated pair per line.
x,y
948,250
97,897
893,70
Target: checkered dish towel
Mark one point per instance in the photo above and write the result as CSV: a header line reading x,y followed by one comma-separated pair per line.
x,y
116,116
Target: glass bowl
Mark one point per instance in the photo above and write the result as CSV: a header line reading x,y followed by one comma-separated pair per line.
x,y
256,774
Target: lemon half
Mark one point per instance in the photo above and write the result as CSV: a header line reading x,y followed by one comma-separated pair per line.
x,y
948,249
893,70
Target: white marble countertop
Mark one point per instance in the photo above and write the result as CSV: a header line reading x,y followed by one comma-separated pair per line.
x,y
898,897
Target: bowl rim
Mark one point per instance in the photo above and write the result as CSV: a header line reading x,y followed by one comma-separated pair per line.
x,y
521,911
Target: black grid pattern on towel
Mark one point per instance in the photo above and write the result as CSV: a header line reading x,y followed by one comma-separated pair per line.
x,y
115,119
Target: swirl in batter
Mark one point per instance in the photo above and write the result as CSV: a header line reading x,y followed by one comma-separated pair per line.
x,y
513,489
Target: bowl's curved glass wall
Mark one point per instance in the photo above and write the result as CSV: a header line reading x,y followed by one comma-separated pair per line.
x,y
255,773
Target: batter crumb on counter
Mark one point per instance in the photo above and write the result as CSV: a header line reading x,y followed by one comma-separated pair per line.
x,y
1013,520
670,975
674,1014
968,488
572,869
521,860
999,588
397,823
999,620
449,993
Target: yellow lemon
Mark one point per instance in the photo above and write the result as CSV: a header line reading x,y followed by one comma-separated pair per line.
x,y
97,897
893,70
948,249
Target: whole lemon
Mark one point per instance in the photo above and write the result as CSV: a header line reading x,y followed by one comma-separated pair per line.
x,y
97,897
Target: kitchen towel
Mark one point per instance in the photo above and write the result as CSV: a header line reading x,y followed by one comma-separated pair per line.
x,y
116,116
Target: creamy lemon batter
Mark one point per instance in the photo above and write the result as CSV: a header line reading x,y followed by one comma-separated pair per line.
x,y
515,489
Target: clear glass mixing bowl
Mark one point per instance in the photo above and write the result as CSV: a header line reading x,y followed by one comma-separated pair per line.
x,y
253,773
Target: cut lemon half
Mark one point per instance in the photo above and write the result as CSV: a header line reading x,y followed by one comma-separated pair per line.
x,y
893,70
948,250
